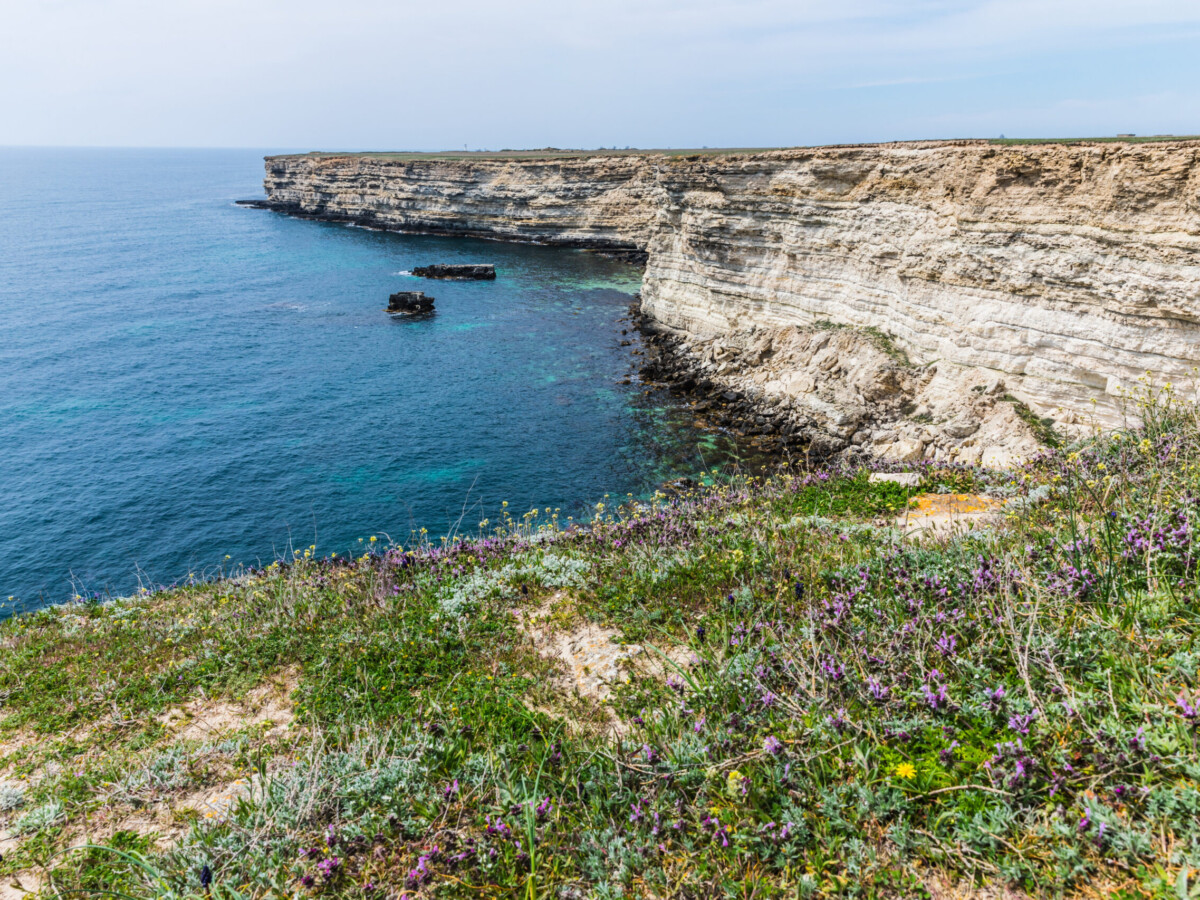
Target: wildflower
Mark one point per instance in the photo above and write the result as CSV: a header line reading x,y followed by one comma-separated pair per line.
x,y
1189,710
308,881
773,745
328,867
936,699
1138,741
879,693
206,876
906,770
497,827
947,644
833,670
418,874
1021,723
736,784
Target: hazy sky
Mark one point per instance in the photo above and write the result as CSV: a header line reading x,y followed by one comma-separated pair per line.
x,y
379,74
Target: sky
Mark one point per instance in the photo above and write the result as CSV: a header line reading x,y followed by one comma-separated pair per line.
x,y
495,74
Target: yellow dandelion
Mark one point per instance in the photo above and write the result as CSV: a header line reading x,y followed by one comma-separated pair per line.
x,y
906,770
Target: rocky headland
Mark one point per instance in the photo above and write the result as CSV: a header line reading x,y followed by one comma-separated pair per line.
x,y
992,290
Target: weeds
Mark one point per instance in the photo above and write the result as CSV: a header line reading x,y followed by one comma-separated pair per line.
x,y
839,711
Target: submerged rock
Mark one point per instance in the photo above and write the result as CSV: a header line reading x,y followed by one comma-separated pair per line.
x,y
466,273
407,303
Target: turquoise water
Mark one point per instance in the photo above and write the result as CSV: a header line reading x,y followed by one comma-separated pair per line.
x,y
184,380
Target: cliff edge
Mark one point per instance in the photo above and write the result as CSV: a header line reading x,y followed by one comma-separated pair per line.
x,y
1063,271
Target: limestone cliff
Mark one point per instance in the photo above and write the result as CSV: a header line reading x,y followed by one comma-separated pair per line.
x,y
1065,270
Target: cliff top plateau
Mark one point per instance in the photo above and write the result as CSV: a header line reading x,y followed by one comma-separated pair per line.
x,y
560,153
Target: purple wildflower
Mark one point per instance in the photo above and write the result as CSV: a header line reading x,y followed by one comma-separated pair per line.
x,y
879,693
947,643
1021,723
328,867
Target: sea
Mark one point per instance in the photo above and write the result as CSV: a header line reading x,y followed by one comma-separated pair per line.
x,y
189,387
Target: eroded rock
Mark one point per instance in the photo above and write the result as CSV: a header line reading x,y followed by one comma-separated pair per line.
x,y
457,272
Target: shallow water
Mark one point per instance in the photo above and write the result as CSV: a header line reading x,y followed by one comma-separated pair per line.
x,y
186,384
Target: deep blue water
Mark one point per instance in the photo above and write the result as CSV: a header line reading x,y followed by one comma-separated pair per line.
x,y
183,379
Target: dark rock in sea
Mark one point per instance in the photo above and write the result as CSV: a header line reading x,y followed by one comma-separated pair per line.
x,y
408,303
465,273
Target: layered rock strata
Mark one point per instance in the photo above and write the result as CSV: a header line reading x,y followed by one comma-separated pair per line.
x,y
1064,271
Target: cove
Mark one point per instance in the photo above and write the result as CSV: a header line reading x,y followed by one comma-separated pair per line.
x,y
187,385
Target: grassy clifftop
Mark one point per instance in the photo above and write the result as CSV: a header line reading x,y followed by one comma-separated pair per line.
x,y
762,689
562,153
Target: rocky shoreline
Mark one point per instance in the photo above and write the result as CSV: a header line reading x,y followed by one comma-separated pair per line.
x,y
820,391
826,392
1067,272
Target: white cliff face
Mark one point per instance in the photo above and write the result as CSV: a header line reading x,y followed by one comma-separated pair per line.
x,y
593,202
1067,271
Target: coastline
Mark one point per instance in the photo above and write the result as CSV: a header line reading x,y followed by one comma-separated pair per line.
x,y
975,255
856,414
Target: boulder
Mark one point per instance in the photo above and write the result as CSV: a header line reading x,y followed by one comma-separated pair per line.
x,y
822,445
970,456
907,479
407,303
960,428
905,450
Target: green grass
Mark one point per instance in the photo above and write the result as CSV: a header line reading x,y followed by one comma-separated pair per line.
x,y
1043,428
846,711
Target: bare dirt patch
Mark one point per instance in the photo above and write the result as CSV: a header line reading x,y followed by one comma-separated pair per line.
x,y
943,889
268,705
14,745
592,659
20,885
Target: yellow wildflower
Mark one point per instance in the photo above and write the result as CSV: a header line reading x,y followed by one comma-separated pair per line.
x,y
906,770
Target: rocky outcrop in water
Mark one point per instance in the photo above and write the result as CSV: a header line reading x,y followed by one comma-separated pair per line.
x,y
409,303
1063,272
457,273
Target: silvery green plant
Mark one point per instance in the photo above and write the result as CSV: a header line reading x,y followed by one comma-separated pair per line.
x,y
39,818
